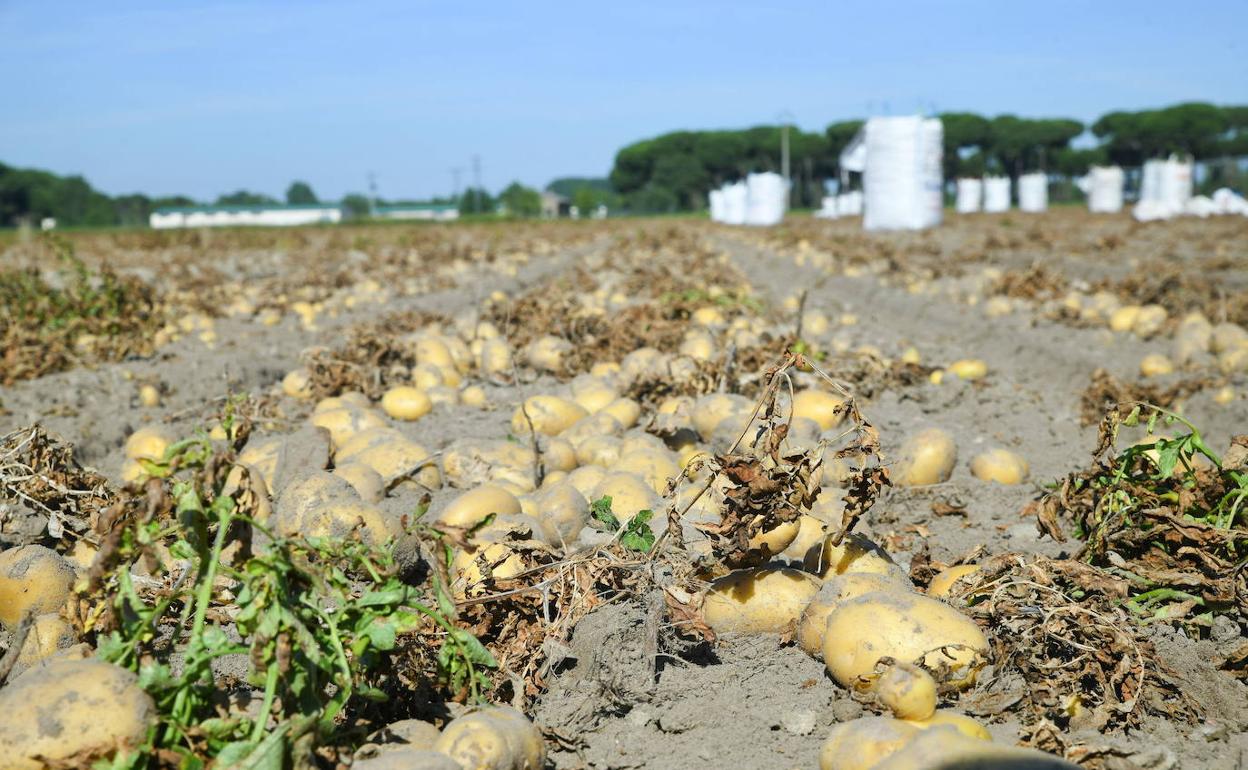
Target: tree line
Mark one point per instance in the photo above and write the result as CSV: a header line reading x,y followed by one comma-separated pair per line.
x,y
674,172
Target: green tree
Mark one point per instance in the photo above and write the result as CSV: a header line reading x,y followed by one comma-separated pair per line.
x,y
300,194
521,201
357,205
245,198
476,200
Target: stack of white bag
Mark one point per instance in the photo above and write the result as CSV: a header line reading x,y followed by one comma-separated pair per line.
x,y
1033,192
760,200
847,204
996,194
1165,190
1103,186
970,196
899,158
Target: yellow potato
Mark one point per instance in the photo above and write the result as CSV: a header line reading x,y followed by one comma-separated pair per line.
x,y
710,410
546,353
861,744
550,415
149,396
600,424
1155,365
698,345
835,591
968,369
433,350
945,748
406,403
34,580
68,712
1123,318
49,634
773,541
558,455
656,466
297,384
474,396
911,356
903,626
563,512
643,363
502,562
149,443
261,455
629,494
625,410
495,358
855,554
810,534
392,455
1149,321
960,722
603,451
925,458
587,478
1001,466
604,369
820,406
906,690
367,483
426,376
493,738
942,584
592,393
758,600
707,316
470,508
346,421
320,504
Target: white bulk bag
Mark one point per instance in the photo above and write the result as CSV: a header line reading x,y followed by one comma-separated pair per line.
x,y
996,194
970,196
735,201
849,204
1200,206
1033,192
902,178
1230,202
1104,188
717,205
766,199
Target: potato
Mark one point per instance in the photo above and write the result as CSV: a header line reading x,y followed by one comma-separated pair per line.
x,y
563,512
1224,395
546,353
69,712
710,410
49,634
433,350
1001,466
643,363
835,591
656,466
392,455
960,722
810,534
942,584
503,563
1149,321
1192,338
1123,318
906,690
297,384
925,458
855,554
629,494
426,376
758,600
474,396
1234,360
367,483
493,738
968,369
944,748
592,393
34,580
600,424
698,345
495,358
320,504
603,451
1155,365
406,403
861,744
605,369
149,396
470,508
149,443
708,316
1227,336
346,421
587,478
550,415
906,627
625,410
820,406
773,541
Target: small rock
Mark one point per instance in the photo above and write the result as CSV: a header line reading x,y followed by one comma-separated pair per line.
x,y
799,722
638,717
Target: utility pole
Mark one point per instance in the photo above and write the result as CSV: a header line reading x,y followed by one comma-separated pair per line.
x,y
476,184
785,117
372,195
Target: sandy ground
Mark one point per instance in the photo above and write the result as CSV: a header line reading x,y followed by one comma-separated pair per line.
x,y
754,702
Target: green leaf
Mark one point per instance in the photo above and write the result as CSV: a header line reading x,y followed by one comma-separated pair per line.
x,y
473,649
638,536
387,598
600,511
383,634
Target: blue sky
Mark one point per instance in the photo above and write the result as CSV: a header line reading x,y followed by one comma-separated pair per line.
x,y
202,98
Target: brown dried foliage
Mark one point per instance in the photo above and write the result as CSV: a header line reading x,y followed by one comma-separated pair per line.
x,y
1065,650
1105,392
377,355
44,492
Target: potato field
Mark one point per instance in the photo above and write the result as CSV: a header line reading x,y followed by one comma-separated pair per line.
x,y
635,493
